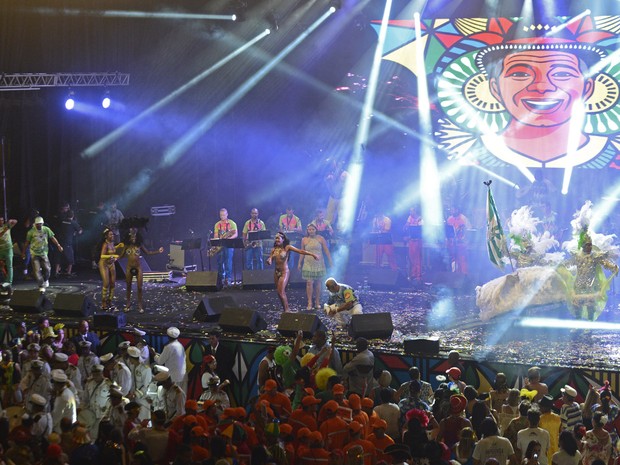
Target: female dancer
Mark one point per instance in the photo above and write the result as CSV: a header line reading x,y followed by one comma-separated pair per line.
x,y
280,253
314,271
107,260
133,246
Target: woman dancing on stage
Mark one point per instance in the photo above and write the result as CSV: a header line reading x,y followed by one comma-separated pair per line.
x,y
314,271
133,246
107,259
280,253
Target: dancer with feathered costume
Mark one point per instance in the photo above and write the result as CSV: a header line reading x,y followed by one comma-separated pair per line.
x,y
592,253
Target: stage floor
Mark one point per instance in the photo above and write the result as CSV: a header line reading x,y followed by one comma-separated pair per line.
x,y
427,310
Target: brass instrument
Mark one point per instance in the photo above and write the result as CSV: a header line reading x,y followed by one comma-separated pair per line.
x,y
217,248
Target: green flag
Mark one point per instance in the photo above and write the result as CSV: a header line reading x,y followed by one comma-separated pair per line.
x,y
496,241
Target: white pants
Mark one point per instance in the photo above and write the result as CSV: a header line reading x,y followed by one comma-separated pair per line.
x,y
344,318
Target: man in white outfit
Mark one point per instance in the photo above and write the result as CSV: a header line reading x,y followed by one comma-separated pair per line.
x,y
173,358
64,400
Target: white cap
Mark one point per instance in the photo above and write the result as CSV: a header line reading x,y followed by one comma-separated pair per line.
x,y
139,332
160,368
115,391
59,376
162,376
173,332
107,357
134,352
61,357
571,391
34,346
84,344
38,399
97,367
37,364
124,345
38,220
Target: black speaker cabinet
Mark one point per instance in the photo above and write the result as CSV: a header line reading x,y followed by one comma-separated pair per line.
x,y
210,308
74,305
30,301
422,345
371,326
290,323
258,279
109,320
203,281
384,278
241,320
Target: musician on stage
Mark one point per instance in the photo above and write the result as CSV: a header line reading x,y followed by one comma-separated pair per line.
x,y
415,246
381,224
457,245
253,249
225,229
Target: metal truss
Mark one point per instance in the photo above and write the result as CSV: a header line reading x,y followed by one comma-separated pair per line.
x,y
33,81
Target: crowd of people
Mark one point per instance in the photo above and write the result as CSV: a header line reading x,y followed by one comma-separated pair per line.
x,y
64,401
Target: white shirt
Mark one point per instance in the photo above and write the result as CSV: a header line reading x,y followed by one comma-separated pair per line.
x,y
64,406
525,436
173,358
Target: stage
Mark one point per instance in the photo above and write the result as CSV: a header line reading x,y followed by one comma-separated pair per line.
x,y
445,310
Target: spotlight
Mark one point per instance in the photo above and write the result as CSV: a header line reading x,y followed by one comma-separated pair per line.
x,y
105,101
335,4
70,100
273,21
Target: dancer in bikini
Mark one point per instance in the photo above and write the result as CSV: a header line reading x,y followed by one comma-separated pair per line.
x,y
280,253
134,246
107,260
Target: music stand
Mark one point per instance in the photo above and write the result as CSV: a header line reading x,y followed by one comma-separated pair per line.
x,y
414,232
380,238
259,235
236,243
193,244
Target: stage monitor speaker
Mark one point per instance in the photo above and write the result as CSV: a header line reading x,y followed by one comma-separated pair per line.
x,y
241,320
203,281
371,325
30,301
290,323
422,345
384,278
109,320
258,279
74,305
210,308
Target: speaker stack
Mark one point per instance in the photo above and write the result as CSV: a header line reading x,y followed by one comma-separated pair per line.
x,y
29,301
202,281
290,323
371,326
210,308
241,320
74,305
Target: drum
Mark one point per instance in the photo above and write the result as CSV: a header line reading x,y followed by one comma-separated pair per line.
x,y
14,415
88,418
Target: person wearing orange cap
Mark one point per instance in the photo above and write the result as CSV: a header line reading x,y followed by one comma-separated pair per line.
x,y
451,426
305,416
356,432
279,402
357,414
287,438
191,409
315,453
379,439
198,440
303,441
209,415
334,429
337,395
368,407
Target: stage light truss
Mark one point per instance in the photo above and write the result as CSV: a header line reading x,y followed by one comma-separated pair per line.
x,y
32,81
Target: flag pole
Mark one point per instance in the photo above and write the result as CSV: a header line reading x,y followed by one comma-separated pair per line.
x,y
497,244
